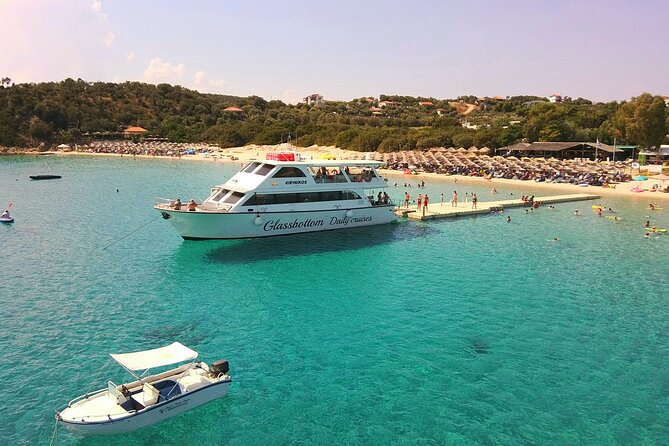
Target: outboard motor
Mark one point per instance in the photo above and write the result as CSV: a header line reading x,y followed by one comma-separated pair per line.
x,y
220,367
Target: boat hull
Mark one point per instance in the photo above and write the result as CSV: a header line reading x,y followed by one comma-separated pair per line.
x,y
45,177
151,415
234,225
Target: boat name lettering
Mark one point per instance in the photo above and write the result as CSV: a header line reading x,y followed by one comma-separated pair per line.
x,y
174,406
346,220
278,225
296,182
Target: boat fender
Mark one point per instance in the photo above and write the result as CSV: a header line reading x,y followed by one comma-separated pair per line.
x,y
258,220
165,215
349,213
220,367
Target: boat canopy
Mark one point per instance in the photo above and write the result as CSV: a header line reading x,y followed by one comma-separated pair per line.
x,y
158,357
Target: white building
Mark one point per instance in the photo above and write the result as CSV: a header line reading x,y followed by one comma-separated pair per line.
x,y
555,98
313,99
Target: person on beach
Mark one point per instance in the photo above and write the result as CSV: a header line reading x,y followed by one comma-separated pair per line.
x,y
419,202
454,199
426,200
177,204
474,200
191,205
442,199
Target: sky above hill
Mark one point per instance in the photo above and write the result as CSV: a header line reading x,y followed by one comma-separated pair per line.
x,y
600,50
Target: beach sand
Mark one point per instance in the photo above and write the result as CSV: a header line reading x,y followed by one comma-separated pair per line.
x,y
255,152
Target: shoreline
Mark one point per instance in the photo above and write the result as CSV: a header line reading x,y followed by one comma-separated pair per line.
x,y
252,153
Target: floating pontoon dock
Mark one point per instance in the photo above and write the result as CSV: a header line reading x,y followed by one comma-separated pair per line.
x,y
436,209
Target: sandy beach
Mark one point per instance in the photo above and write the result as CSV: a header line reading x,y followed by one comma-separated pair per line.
x,y
245,154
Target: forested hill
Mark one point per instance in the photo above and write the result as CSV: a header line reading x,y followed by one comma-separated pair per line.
x,y
72,111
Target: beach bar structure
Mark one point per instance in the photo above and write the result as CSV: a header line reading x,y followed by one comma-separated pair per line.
x,y
134,132
563,150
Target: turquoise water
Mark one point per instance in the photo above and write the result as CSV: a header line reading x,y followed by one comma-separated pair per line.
x,y
464,331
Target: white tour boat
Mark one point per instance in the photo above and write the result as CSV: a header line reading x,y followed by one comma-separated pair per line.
x,y
285,195
149,399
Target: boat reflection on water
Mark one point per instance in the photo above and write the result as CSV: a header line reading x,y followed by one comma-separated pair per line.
x,y
314,243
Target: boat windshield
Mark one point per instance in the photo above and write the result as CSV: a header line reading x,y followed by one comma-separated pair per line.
x,y
258,168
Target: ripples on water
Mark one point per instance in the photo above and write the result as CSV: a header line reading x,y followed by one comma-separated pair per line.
x,y
466,331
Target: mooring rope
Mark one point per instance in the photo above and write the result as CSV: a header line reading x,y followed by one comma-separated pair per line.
x,y
131,232
54,434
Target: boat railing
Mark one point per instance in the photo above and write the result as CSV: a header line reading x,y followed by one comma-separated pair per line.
x,y
164,202
85,396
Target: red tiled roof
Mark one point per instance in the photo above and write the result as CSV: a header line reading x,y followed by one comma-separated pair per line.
x,y
233,109
135,130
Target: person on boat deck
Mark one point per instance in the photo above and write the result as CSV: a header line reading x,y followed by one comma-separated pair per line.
x,y
379,198
386,198
191,205
177,204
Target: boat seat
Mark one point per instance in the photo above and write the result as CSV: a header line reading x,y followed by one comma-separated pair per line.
x,y
148,396
192,380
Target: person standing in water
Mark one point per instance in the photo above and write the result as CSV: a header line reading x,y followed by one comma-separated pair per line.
x,y
454,199
474,200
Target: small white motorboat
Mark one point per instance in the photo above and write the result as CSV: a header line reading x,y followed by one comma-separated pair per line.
x,y
150,398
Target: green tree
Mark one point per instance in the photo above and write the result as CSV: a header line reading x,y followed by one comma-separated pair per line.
x,y
642,121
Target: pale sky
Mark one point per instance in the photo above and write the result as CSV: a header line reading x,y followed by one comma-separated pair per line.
x,y
600,50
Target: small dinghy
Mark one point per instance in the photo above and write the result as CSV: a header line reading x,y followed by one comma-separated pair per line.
x,y
45,177
6,218
150,398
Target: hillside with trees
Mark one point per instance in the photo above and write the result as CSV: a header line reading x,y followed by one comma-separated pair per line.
x,y
75,111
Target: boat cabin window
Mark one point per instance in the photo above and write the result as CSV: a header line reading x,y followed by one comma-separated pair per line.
x,y
331,174
251,167
303,197
289,172
361,174
218,194
233,197
264,169
350,195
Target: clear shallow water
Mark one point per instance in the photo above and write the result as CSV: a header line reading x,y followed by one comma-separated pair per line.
x,y
465,331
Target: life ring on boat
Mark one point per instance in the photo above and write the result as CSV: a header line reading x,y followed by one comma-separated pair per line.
x,y
258,220
349,213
